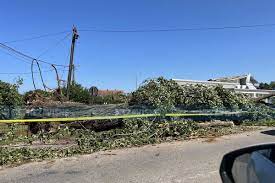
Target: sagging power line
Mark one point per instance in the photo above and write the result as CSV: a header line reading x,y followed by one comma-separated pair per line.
x,y
27,57
25,73
40,73
36,61
18,57
31,60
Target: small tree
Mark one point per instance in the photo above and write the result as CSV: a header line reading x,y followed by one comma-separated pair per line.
x,y
9,96
266,86
78,93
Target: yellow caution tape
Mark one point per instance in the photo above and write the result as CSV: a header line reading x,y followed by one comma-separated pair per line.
x,y
112,117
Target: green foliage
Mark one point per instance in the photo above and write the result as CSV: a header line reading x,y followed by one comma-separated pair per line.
x,y
158,93
166,94
134,132
270,123
9,95
78,93
260,113
231,100
200,97
81,94
266,86
270,86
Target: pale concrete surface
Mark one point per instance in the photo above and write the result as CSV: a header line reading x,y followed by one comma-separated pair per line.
x,y
176,162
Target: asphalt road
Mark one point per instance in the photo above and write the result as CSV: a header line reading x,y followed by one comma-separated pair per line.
x,y
189,161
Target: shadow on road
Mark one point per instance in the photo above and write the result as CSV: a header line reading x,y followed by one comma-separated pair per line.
x,y
269,132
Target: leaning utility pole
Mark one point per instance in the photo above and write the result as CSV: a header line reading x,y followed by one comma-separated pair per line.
x,y
71,66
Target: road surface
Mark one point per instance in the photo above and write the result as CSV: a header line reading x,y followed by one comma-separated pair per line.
x,y
185,161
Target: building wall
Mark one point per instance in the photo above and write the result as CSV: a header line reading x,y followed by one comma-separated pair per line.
x,y
227,85
251,91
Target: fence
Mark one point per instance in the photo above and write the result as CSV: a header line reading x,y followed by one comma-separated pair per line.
x,y
26,119
88,111
26,127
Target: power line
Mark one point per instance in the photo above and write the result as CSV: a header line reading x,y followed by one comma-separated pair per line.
x,y
67,58
31,60
40,73
56,44
15,52
36,37
176,29
24,73
27,57
17,57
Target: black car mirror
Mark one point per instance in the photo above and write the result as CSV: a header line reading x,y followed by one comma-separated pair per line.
x,y
251,164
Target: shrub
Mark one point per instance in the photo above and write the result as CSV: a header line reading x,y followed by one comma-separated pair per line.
x,y
78,93
9,95
9,98
81,94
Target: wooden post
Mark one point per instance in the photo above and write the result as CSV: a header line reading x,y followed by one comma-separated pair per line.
x,y
71,66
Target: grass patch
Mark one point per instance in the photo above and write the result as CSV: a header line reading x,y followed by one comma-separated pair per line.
x,y
269,123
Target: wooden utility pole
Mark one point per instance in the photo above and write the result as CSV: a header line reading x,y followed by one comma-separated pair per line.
x,y
71,66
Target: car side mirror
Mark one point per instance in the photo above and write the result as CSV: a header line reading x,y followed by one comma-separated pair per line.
x,y
251,164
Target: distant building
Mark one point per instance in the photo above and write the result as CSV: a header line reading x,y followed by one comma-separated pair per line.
x,y
109,92
241,84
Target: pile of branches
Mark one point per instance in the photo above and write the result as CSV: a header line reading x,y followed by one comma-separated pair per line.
x,y
166,95
37,98
135,132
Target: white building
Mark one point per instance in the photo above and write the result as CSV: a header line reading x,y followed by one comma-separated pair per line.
x,y
242,84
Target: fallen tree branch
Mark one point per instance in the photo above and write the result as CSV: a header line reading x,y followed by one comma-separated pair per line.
x,y
216,124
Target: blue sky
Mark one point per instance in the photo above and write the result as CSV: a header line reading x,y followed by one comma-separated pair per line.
x,y
115,60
